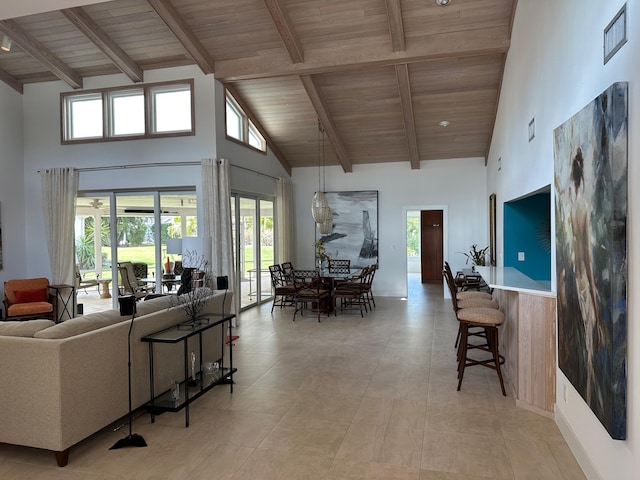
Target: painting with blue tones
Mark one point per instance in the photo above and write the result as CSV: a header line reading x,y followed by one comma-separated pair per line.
x,y
590,151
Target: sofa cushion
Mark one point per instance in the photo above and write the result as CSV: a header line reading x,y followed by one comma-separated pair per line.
x,y
27,296
83,324
152,305
24,329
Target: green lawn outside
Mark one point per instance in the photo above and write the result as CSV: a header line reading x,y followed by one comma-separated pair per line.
x,y
146,254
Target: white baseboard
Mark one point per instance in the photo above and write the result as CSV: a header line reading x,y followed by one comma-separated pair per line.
x,y
582,457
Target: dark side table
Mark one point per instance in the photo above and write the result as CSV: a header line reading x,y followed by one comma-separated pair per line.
x,y
190,391
65,301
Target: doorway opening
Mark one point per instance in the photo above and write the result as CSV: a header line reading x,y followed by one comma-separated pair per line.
x,y
425,246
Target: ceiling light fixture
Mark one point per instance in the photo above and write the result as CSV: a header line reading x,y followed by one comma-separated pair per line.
x,y
443,3
5,46
444,123
320,209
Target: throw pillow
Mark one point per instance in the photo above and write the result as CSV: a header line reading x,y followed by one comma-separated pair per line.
x,y
28,296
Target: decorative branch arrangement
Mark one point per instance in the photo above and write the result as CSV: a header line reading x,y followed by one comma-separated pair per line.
x,y
197,284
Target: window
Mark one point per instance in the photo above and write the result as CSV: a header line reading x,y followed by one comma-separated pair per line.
x,y
172,107
127,112
239,126
147,111
85,116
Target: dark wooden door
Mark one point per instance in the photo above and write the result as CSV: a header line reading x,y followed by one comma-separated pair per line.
x,y
431,245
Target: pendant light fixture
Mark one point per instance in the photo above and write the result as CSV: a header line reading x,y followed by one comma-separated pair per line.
x,y
320,209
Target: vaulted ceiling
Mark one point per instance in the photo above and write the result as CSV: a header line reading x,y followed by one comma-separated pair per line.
x,y
380,75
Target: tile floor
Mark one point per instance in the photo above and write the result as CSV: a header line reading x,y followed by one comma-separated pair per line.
x,y
348,398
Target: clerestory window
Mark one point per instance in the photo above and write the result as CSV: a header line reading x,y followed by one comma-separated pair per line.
x,y
128,113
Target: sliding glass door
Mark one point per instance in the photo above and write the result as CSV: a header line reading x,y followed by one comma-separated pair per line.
x,y
132,227
253,232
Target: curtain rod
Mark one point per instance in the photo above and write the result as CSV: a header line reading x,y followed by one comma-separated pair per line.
x,y
163,164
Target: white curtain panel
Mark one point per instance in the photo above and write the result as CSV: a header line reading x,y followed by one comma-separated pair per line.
x,y
216,198
59,190
284,212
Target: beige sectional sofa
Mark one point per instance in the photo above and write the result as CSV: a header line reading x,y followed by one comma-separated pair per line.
x,y
63,382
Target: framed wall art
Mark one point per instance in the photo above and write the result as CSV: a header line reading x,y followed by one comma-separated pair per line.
x,y
354,235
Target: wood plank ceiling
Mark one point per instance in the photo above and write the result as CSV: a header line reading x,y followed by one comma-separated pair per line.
x,y
379,75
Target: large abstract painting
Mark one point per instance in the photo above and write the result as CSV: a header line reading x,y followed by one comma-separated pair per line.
x,y
590,152
355,227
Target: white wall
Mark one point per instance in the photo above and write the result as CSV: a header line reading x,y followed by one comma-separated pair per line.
x,y
554,68
42,149
12,207
457,186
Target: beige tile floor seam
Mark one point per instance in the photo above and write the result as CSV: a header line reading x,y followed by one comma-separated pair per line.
x,y
347,398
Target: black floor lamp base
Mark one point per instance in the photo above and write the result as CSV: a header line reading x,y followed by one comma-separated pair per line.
x,y
132,440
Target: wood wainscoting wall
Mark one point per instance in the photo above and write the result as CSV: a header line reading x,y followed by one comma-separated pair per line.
x,y
528,343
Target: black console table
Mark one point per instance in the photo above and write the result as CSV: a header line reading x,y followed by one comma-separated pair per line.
x,y
205,381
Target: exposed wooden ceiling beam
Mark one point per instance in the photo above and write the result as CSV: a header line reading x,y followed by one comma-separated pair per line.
x,y
38,51
404,87
183,33
90,28
270,143
12,81
326,119
396,27
286,31
375,53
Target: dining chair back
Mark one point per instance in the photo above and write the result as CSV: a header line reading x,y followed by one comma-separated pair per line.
x,y
339,266
283,291
310,293
352,293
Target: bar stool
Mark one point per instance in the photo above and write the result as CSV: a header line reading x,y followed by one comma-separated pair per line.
x,y
489,319
461,301
464,294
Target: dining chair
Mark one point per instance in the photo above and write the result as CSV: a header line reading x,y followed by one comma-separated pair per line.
x,y
368,283
310,293
339,266
287,269
351,292
283,291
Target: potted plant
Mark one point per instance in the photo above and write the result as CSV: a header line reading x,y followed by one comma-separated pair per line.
x,y
321,254
477,257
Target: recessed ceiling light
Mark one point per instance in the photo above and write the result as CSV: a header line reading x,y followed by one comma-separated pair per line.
x,y
444,123
443,3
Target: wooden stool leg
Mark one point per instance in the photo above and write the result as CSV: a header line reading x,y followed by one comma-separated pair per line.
x,y
462,361
496,357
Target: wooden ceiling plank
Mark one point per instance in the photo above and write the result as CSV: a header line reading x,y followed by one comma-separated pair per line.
x,y
404,87
38,51
184,34
396,27
12,81
286,30
270,143
326,119
90,28
375,53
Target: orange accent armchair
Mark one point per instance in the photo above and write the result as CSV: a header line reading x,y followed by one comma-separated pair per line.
x,y
28,299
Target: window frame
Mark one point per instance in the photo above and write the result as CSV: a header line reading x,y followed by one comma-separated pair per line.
x,y
66,98
247,124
